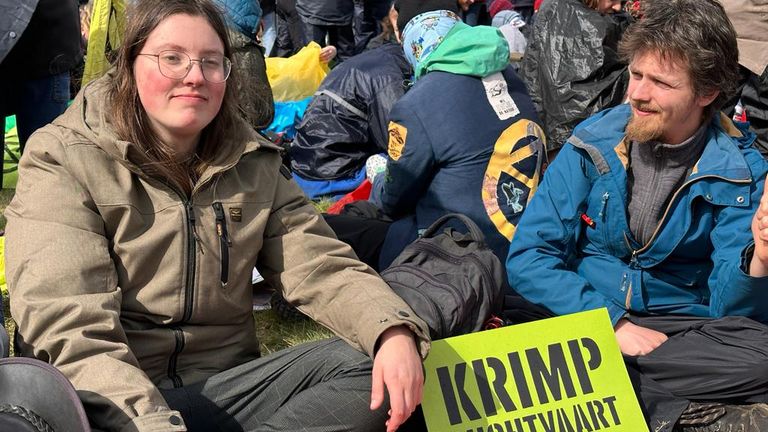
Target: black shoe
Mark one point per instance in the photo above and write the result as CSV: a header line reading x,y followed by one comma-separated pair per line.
x,y
713,417
285,310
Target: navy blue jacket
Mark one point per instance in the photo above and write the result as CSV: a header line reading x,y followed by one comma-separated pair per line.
x,y
696,260
332,141
450,152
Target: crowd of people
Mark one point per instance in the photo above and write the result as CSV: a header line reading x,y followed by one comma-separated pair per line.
x,y
593,142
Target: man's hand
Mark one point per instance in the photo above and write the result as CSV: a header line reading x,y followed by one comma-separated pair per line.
x,y
758,267
327,53
397,366
635,340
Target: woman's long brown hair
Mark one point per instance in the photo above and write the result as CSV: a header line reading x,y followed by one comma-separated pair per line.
x,y
128,115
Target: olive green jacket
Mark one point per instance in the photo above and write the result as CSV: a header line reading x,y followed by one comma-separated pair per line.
x,y
127,286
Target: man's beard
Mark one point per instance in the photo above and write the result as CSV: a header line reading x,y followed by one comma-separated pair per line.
x,y
644,129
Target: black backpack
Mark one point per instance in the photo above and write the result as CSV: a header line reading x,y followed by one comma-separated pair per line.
x,y
453,281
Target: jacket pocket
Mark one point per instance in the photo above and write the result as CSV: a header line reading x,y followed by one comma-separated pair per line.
x,y
224,242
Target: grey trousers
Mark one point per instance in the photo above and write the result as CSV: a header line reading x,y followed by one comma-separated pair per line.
x,y
314,387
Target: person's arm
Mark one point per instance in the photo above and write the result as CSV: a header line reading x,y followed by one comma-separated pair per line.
x,y
65,296
410,165
738,283
323,278
546,237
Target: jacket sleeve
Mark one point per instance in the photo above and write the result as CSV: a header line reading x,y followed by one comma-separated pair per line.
x,y
65,297
546,240
410,165
732,291
383,102
324,279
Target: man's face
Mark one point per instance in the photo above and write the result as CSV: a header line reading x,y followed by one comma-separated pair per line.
x,y
664,105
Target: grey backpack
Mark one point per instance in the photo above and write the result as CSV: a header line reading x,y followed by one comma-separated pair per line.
x,y
452,280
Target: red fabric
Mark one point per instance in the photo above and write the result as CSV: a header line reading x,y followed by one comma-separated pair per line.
x,y
498,6
537,5
361,193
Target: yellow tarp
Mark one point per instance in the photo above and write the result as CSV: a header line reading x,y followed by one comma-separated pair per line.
x,y
296,77
107,26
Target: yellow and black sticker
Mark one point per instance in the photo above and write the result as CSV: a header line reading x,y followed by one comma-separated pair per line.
x,y
513,174
397,135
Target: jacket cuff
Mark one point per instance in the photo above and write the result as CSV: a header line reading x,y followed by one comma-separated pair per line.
x,y
167,421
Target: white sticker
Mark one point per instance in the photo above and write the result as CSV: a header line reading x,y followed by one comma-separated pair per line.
x,y
498,96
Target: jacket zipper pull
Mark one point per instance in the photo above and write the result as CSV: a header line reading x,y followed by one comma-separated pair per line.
x,y
192,220
603,205
224,242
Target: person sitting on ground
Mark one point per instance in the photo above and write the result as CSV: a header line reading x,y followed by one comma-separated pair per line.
x,y
657,211
346,122
570,81
464,139
137,220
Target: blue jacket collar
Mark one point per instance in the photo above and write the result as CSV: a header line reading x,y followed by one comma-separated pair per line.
x,y
602,137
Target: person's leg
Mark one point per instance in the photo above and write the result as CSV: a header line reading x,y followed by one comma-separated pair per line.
x,y
704,360
270,32
315,33
343,38
365,235
41,101
318,386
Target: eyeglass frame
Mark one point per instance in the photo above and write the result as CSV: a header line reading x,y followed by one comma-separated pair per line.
x,y
199,61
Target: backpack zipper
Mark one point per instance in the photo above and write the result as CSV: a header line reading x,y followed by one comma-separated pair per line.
x,y
224,242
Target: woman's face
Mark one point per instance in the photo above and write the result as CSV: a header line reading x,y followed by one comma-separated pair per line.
x,y
179,109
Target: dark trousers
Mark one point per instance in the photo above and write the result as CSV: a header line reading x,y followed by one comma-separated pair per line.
x,y
753,93
723,360
290,30
342,37
365,235
35,102
318,386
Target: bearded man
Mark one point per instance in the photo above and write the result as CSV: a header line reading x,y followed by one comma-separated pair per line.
x,y
655,210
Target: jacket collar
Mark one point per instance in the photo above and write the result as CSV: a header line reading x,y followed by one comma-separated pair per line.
x,y
602,137
88,118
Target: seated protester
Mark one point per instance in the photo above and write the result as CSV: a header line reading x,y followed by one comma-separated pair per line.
x,y
570,81
243,18
647,212
464,139
155,200
346,122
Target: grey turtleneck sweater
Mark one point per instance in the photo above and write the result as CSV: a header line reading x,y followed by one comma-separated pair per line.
x,y
656,171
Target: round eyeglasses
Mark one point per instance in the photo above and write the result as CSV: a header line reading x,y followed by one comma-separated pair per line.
x,y
177,64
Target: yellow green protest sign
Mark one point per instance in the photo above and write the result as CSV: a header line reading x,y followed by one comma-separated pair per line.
x,y
563,374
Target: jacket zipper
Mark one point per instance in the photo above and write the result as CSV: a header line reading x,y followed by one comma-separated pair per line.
x,y
189,292
635,252
224,242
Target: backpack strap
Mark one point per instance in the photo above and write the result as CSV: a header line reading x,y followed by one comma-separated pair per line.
x,y
472,227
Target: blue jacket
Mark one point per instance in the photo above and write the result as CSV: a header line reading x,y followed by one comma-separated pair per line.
x,y
695,262
242,15
450,152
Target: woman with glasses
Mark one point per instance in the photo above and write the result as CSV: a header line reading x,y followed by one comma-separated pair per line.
x,y
138,217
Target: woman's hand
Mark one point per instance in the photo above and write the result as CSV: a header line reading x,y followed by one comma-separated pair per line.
x,y
327,53
397,366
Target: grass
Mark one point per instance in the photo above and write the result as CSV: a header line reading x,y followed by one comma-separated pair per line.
x,y
274,332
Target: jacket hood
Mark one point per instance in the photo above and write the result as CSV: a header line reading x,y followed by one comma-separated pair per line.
x,y
88,117
474,51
